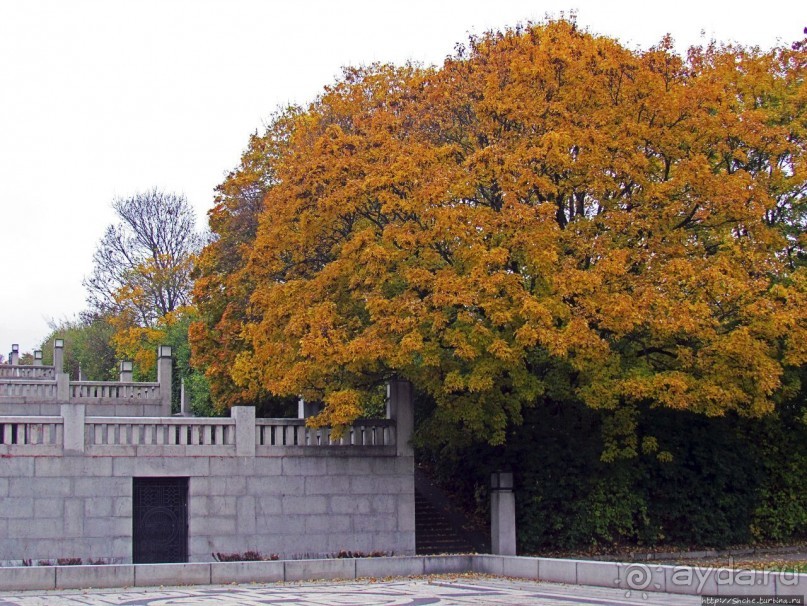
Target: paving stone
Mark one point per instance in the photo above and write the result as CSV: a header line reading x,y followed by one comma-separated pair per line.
x,y
436,591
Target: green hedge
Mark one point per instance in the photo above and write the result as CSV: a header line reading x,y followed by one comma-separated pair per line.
x,y
729,480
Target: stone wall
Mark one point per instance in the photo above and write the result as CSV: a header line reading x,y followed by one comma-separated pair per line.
x,y
72,452
81,506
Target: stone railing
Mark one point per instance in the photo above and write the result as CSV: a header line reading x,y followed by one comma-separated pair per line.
x,y
20,371
94,390
73,433
294,432
38,389
28,389
31,435
163,436
119,398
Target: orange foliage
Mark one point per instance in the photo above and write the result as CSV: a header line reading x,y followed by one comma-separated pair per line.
x,y
221,290
546,202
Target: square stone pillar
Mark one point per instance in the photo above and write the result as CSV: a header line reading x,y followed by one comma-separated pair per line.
x,y
244,430
14,355
73,427
37,357
184,401
126,371
58,355
502,514
165,369
62,378
401,408
308,409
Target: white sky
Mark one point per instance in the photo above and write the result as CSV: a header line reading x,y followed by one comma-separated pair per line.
x,y
100,99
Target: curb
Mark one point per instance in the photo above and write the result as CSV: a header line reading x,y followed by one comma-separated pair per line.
x,y
630,576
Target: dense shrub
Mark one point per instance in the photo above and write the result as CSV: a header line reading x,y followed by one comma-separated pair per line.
x,y
705,481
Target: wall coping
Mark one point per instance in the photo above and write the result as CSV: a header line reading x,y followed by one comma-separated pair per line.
x,y
630,576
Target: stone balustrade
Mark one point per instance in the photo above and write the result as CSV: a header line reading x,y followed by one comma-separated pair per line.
x,y
74,433
25,371
133,436
95,390
28,389
39,390
37,435
294,432
43,397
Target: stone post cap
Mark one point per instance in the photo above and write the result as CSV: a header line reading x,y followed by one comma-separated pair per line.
x,y
126,366
501,480
15,348
58,343
37,354
164,351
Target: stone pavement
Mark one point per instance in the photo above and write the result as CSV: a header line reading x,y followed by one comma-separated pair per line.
x,y
463,590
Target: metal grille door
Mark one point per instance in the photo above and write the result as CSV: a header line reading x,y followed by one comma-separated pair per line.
x,y
160,520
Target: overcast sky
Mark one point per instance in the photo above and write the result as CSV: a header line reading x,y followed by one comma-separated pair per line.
x,y
106,98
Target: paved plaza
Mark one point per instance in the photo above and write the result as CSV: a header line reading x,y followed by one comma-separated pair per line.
x,y
439,591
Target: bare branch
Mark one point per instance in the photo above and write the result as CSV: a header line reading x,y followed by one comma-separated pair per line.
x,y
149,252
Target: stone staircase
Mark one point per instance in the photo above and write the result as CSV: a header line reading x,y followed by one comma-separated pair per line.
x,y
440,528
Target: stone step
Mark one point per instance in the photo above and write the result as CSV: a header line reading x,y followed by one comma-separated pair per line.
x,y
433,531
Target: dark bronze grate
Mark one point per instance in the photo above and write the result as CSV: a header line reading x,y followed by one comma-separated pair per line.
x,y
160,520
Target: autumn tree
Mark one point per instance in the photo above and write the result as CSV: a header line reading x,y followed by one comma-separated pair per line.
x,y
139,344
222,288
143,263
548,215
140,285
